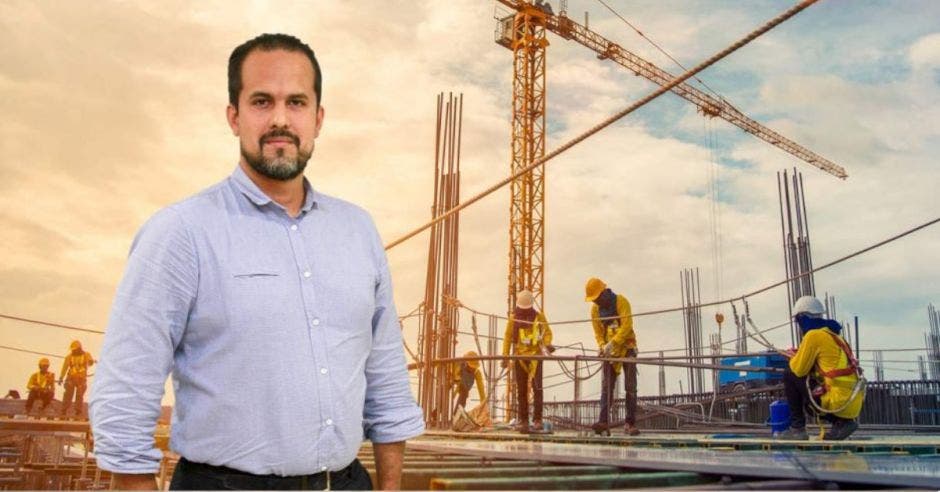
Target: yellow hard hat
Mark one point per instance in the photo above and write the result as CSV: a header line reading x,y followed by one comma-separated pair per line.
x,y
43,362
472,363
593,288
76,345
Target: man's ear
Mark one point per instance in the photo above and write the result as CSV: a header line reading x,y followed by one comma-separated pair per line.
x,y
231,115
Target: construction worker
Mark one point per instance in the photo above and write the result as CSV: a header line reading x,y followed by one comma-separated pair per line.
x,y
527,333
41,386
825,353
465,375
75,376
613,330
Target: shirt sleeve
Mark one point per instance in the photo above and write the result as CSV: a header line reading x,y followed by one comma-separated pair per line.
x,y
547,330
390,413
507,337
147,319
625,332
599,330
478,376
804,360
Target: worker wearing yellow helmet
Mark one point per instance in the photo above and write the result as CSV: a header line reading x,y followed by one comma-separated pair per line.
x,y
527,333
465,375
41,386
613,330
75,376
825,356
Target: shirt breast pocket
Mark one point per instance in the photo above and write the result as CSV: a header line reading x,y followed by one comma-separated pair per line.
x,y
256,295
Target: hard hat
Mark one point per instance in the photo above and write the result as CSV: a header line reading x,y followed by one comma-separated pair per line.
x,y
472,363
44,362
525,299
593,288
809,305
76,345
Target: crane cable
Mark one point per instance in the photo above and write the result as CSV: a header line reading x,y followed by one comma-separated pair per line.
x,y
609,120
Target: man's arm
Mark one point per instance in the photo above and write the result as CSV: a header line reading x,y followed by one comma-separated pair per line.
x,y
149,314
389,458
625,332
127,481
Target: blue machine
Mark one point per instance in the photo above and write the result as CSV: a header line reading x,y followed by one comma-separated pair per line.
x,y
736,380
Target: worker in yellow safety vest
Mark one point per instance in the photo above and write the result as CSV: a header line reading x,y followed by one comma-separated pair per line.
x,y
825,355
41,386
527,333
465,375
613,331
75,376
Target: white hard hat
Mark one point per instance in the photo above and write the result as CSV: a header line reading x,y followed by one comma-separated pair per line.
x,y
524,299
808,305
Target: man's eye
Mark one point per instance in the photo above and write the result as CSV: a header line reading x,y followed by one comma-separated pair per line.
x,y
259,102
298,102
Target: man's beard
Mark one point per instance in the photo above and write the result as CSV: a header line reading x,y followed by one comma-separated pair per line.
x,y
280,167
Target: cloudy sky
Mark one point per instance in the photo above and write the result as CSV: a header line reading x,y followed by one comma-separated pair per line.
x,y
112,110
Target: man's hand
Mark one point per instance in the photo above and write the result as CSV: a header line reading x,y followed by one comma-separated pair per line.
x,y
790,352
389,458
607,349
127,481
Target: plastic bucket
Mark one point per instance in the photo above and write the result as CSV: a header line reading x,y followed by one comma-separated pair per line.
x,y
779,416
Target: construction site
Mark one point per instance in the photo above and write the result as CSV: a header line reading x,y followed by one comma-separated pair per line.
x,y
705,416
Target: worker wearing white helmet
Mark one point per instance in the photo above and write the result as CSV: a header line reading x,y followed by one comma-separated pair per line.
x,y
828,358
527,333
74,375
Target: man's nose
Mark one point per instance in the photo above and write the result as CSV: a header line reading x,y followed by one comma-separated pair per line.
x,y
279,118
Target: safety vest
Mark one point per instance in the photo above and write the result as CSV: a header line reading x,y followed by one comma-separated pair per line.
x,y
78,365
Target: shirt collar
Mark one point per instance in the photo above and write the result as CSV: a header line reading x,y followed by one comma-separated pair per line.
x,y
259,198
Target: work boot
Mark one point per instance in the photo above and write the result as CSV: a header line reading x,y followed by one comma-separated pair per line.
x,y
601,429
792,434
631,430
522,428
841,429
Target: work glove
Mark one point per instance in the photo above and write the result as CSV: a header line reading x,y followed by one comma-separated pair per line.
x,y
607,349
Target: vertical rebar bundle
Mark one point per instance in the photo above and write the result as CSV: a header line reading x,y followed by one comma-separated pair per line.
x,y
797,254
438,330
692,324
922,368
879,366
932,337
492,366
662,378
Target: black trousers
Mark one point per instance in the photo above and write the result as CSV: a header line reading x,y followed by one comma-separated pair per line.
x,y
609,380
197,476
522,392
794,387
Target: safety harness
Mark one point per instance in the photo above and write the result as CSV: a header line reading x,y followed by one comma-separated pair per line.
x,y
853,368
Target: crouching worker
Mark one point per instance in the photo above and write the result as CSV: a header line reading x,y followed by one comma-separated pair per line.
x,y
465,375
824,354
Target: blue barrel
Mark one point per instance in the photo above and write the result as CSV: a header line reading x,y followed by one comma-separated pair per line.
x,y
779,416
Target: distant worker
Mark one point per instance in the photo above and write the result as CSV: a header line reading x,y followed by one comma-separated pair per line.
x,y
825,353
41,386
613,330
527,333
74,374
466,374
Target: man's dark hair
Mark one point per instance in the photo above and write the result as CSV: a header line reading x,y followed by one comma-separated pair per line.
x,y
269,42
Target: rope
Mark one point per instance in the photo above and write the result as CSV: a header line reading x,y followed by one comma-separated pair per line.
x,y
609,121
763,289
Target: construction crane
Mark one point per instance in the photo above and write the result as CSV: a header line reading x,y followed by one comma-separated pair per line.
x,y
524,33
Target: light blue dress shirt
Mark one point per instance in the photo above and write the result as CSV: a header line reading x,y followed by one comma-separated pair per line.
x,y
281,335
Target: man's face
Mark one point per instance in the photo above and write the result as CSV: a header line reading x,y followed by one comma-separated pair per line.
x,y
278,115
43,368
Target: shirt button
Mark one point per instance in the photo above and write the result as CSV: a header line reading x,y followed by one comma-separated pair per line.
x,y
293,227
316,321
329,421
323,370
307,274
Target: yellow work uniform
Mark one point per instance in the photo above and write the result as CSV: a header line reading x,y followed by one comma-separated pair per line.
x,y
818,348
41,382
530,340
477,376
620,332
